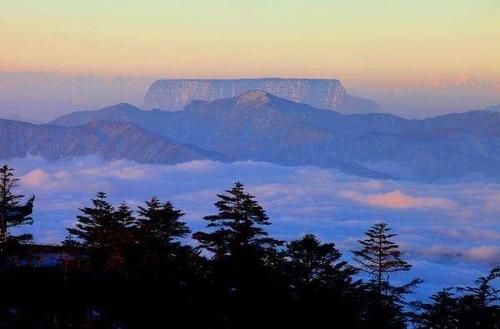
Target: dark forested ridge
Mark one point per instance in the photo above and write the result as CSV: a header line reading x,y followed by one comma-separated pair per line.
x,y
143,268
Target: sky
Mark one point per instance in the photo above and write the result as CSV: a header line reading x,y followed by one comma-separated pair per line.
x,y
415,58
442,228
387,41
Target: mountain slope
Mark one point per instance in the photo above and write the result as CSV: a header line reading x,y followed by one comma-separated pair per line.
x,y
259,126
107,139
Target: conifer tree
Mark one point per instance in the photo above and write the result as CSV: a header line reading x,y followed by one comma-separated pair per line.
x,y
441,313
237,227
95,224
104,231
485,292
310,261
320,284
380,257
158,232
243,258
159,223
479,307
475,308
13,213
122,233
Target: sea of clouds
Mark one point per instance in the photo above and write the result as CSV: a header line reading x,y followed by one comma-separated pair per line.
x,y
450,232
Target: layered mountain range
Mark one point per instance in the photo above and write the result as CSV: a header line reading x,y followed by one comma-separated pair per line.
x,y
175,94
110,140
259,126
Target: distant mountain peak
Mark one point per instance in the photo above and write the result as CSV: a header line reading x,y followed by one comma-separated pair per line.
x,y
494,108
253,98
176,94
122,107
123,111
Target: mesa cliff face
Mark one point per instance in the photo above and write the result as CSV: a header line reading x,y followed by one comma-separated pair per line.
x,y
174,94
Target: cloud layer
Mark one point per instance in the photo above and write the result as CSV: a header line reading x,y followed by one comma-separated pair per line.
x,y
453,227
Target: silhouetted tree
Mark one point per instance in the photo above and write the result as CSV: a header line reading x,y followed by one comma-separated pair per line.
x,y
94,225
167,266
159,223
311,262
104,231
441,313
237,226
479,305
484,292
243,259
158,235
322,285
13,213
476,308
247,281
379,257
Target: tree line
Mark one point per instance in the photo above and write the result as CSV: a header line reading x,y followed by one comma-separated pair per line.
x,y
144,268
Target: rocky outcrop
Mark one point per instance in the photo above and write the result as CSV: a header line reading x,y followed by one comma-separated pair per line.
x,y
173,94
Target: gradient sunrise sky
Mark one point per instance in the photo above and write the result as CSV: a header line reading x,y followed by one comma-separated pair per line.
x,y
391,40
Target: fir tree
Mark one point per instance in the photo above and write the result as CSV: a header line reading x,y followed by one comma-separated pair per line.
x,y
237,227
158,232
479,306
441,313
475,308
485,292
13,213
243,256
309,261
380,257
95,224
321,285
122,232
159,223
104,231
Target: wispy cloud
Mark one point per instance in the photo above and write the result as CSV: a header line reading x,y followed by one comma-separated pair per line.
x,y
398,200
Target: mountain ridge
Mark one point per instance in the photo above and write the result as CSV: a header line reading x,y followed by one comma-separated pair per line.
x,y
110,140
260,126
175,94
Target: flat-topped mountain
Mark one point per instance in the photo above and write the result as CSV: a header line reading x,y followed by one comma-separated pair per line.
x,y
110,140
174,94
260,126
